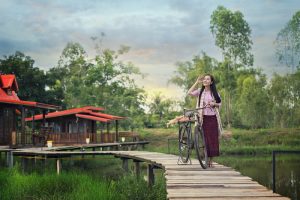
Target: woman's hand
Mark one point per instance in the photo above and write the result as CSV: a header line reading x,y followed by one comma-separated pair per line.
x,y
200,79
212,104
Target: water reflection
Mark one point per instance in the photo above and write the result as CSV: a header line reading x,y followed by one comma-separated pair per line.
x,y
259,168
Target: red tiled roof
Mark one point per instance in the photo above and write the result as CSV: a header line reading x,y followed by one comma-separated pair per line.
x,y
59,113
93,108
9,81
28,103
105,115
74,111
92,118
4,95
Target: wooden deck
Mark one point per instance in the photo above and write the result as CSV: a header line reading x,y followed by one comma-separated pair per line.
x,y
188,182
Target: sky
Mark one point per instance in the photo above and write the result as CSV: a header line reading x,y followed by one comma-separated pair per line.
x,y
159,32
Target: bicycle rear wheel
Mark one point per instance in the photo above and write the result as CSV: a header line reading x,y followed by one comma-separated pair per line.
x,y
200,147
184,141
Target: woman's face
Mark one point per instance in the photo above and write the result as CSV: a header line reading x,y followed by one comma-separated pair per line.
x,y
207,80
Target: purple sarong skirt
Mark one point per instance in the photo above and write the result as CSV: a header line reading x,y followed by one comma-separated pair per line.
x,y
210,129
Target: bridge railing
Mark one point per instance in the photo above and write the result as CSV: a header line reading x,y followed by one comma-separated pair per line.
x,y
274,153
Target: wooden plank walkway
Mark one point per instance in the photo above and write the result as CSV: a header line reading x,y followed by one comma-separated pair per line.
x,y
187,182
193,182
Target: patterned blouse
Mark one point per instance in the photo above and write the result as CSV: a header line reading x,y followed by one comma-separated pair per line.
x,y
207,99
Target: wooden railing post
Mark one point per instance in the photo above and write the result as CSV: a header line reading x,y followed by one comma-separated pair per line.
x,y
23,137
137,168
94,149
24,164
10,159
58,166
150,173
45,163
125,164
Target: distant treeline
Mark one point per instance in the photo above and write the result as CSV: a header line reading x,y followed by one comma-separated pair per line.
x,y
249,99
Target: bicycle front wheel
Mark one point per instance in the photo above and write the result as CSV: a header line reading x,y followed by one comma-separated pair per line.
x,y
184,141
201,147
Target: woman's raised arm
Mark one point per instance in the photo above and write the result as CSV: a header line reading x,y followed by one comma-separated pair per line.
x,y
198,81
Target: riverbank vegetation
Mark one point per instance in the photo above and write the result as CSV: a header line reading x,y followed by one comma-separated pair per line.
x,y
233,141
76,185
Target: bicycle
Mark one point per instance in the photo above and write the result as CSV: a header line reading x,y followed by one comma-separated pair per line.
x,y
187,142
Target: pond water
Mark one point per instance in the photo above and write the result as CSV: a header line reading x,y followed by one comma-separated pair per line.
x,y
259,168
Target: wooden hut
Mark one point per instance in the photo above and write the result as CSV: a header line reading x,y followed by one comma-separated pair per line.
x,y
79,125
13,112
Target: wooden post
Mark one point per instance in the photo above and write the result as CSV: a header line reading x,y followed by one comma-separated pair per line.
x,y
117,131
10,159
23,137
44,118
101,132
58,166
78,132
32,122
94,149
150,173
125,164
32,126
137,168
107,127
33,164
5,157
45,162
273,171
23,164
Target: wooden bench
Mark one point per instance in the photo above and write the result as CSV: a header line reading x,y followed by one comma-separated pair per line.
x,y
41,137
133,136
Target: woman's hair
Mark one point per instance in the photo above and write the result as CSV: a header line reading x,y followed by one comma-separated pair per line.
x,y
213,89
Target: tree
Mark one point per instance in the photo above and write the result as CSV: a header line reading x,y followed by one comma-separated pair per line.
x,y
232,35
253,105
285,95
31,80
288,43
188,72
160,107
65,79
101,81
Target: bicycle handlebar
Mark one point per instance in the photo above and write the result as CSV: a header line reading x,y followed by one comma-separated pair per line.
x,y
192,111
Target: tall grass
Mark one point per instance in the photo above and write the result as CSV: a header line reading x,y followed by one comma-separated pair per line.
x,y
69,185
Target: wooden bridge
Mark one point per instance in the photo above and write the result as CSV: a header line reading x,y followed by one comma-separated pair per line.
x,y
187,182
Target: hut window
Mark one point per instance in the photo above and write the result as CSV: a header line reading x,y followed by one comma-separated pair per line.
x,y
70,127
9,92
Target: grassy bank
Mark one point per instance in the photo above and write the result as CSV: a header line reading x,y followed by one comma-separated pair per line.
x,y
234,141
71,185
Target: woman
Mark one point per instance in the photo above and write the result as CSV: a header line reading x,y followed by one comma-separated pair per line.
x,y
209,99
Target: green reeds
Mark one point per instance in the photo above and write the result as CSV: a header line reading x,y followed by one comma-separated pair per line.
x,y
69,185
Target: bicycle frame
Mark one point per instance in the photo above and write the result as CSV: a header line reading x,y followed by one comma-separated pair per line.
x,y
192,140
